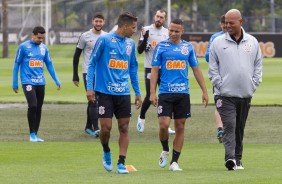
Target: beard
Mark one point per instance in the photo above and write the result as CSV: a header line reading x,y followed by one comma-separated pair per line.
x,y
98,29
158,24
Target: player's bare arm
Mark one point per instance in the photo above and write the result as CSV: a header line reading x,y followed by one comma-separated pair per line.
x,y
200,79
153,84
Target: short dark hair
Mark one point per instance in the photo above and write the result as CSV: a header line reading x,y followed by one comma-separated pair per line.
x,y
177,21
126,18
222,19
98,15
38,29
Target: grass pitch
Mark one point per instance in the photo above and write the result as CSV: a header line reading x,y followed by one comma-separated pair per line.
x,y
71,156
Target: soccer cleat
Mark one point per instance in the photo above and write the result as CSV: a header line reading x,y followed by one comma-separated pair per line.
x,y
32,137
39,139
174,167
230,164
239,165
96,133
220,134
107,161
163,161
121,169
170,131
140,125
89,131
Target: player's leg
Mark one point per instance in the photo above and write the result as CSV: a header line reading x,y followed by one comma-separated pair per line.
x,y
30,95
146,102
181,111
226,107
242,115
105,117
165,108
40,93
219,125
89,125
123,114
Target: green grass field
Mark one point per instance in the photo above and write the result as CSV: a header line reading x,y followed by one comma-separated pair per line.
x,y
70,156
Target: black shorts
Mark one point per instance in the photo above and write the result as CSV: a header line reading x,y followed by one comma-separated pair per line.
x,y
177,105
109,105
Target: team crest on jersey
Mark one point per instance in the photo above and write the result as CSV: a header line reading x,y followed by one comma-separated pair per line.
x,y
101,110
160,109
113,39
128,49
218,103
28,87
248,47
42,51
184,50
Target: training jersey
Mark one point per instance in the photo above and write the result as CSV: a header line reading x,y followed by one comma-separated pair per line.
x,y
174,60
210,42
86,43
155,36
113,61
30,58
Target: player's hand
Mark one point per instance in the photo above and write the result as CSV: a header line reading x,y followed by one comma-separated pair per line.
x,y
76,83
90,96
154,99
205,99
138,102
16,90
59,88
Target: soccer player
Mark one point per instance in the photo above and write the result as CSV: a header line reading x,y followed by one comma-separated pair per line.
x,y
86,44
174,56
150,36
217,118
30,58
235,70
113,61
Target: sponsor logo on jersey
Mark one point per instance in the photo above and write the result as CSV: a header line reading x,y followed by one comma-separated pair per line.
x,y
184,50
176,87
35,63
28,46
167,44
118,64
113,39
42,51
175,64
37,79
113,52
128,49
117,87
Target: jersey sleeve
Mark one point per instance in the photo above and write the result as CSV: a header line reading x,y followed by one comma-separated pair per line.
x,y
94,58
133,72
17,63
50,67
81,42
